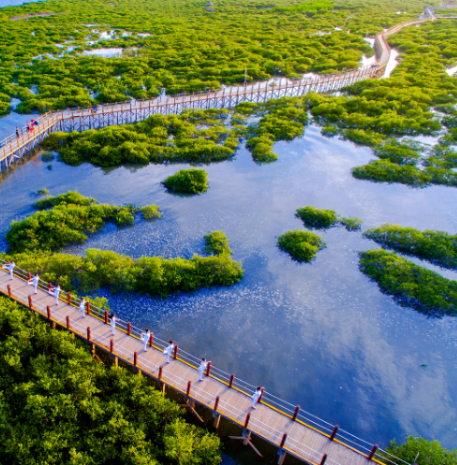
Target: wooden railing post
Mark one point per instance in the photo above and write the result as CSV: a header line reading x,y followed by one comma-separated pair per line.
x,y
324,458
246,421
175,355
30,302
135,358
106,317
160,372
373,451
111,346
88,333
283,440
9,290
208,369
297,409
48,309
189,384
88,308
68,298
216,403
261,395
151,340
232,379
129,329
335,429
68,322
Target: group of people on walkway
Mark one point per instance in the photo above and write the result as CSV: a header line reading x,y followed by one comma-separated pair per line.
x,y
145,337
29,126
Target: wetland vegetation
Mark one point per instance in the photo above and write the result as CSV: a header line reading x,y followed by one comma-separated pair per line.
x,y
60,405
70,218
191,181
436,246
324,219
301,245
410,284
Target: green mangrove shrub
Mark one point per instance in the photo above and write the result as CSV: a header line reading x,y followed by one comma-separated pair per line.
x,y
191,181
58,403
412,285
119,273
430,452
323,219
436,246
63,220
217,243
317,218
301,245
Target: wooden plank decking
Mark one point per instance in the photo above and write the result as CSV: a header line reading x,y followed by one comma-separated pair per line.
x,y
302,441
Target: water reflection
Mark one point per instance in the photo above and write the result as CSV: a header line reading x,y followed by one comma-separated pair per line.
x,y
321,335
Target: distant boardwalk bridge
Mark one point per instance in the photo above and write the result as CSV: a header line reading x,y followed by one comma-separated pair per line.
x,y
15,147
292,430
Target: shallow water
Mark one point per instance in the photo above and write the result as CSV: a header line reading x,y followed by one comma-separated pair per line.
x,y
321,335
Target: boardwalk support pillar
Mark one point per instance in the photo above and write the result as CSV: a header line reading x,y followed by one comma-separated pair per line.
x,y
246,437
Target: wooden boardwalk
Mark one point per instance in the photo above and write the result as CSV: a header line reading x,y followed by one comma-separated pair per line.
x,y
216,392
80,119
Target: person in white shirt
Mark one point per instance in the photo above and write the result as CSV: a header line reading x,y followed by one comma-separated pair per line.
x,y
145,338
113,324
82,307
168,350
35,280
10,267
202,368
56,292
256,396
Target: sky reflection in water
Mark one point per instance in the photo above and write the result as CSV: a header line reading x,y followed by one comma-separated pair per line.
x,y
320,335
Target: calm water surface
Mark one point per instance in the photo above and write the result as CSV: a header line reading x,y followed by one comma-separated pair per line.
x,y
320,335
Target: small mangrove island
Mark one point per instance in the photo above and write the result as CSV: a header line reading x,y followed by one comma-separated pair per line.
x,y
302,246
191,181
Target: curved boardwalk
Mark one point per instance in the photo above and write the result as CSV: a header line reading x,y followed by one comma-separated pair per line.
x,y
13,147
274,420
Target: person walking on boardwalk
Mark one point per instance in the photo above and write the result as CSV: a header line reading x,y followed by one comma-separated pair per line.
x,y
256,396
145,338
201,368
82,307
17,133
35,280
113,324
169,349
56,293
28,127
10,267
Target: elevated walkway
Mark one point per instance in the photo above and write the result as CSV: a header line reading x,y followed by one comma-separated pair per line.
x,y
282,424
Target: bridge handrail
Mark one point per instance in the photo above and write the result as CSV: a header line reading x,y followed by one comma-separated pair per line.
x,y
244,387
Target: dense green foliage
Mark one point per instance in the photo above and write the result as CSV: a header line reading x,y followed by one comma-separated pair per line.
x,y
301,245
217,243
437,246
431,452
193,136
150,212
191,181
281,119
59,405
120,273
412,285
186,49
316,218
63,220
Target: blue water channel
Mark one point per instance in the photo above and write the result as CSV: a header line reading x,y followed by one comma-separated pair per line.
x,y
321,335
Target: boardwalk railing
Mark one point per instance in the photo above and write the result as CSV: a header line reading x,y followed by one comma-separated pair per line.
x,y
363,452
79,119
